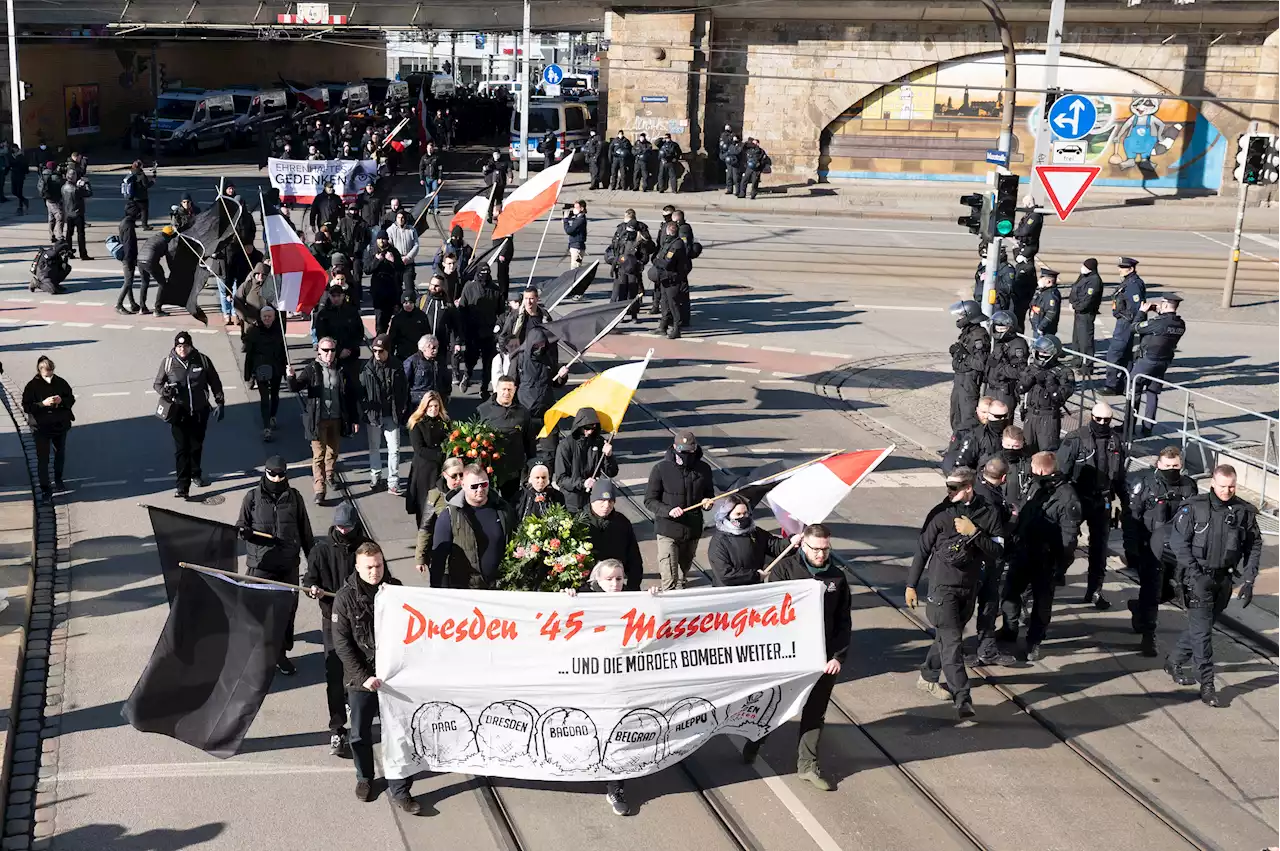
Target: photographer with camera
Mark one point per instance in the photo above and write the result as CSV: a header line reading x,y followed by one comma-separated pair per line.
x,y
575,226
184,382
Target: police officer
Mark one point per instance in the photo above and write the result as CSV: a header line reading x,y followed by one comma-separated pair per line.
x,y
1093,458
959,538
1154,500
591,151
640,172
1213,534
547,147
1047,386
1022,290
968,363
731,157
1086,299
619,150
1008,358
1046,304
1002,281
727,138
669,154
1042,543
1027,233
1126,308
1157,339
754,160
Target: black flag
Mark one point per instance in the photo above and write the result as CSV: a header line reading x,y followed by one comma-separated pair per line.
x,y
580,329
213,664
755,485
571,283
209,233
181,537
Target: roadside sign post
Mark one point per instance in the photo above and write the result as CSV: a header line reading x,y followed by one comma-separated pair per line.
x,y
524,95
1052,51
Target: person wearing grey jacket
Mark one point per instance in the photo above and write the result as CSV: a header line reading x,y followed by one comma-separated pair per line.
x,y
404,236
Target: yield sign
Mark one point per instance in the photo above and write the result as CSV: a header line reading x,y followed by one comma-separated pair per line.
x,y
1066,184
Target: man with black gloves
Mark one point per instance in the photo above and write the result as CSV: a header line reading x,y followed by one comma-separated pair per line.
x,y
1046,304
471,535
384,401
516,433
1047,385
680,488
1126,307
1042,543
591,152
1086,299
478,309
582,459
331,410
640,170
968,363
276,530
1213,535
669,168
727,138
152,255
611,534
1008,358
959,539
1158,339
1154,501
326,208
980,443
1093,459
185,381
329,566
619,151
813,562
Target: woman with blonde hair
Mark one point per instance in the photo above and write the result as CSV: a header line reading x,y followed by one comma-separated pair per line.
x,y
428,428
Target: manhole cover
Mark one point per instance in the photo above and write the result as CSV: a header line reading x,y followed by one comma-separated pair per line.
x,y
216,499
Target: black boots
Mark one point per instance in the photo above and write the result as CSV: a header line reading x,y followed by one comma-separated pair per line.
x,y
1174,670
1209,695
1148,647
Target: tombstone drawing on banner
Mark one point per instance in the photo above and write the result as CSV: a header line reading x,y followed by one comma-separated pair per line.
x,y
442,734
567,740
505,732
638,742
690,722
752,717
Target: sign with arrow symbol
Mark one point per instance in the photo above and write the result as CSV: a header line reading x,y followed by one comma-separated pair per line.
x,y
1072,117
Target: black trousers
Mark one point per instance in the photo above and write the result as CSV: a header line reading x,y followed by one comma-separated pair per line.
x,y
1098,520
364,708
949,609
989,607
668,175
735,178
1037,574
1149,392
1155,578
966,387
617,173
626,290
640,175
812,720
1204,604
382,314
669,308
750,183
282,574
502,275
1042,430
45,442
152,270
268,399
482,352
16,182
127,271
597,178
335,690
188,446
75,234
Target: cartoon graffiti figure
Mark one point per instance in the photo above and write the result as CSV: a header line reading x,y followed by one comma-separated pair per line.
x,y
907,98
1143,135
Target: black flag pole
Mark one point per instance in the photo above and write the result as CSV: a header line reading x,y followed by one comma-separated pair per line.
x,y
261,580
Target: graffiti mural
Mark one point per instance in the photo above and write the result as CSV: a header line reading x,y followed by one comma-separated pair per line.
x,y
937,123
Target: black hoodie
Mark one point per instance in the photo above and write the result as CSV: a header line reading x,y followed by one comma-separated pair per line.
x,y
613,536
536,365
580,458
333,558
673,485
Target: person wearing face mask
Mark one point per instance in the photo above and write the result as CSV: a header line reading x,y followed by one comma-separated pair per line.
x,y
329,565
1126,307
455,245
479,307
443,322
537,495
1086,300
1093,459
1154,500
1042,543
960,537
326,208
407,327
727,138
968,363
1009,354
276,529
1047,386
442,490
591,152
538,373
1214,535
1046,304
265,359
186,379
583,459
619,153
989,485
680,481
611,534
1158,338
982,442
47,400
739,550
1018,479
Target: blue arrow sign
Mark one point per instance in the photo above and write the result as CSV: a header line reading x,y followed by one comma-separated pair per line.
x,y
1072,117
552,75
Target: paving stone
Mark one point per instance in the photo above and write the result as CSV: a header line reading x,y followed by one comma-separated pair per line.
x,y
26,781
17,811
26,755
20,797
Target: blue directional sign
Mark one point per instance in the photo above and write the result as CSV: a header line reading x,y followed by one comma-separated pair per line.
x,y
1072,117
552,75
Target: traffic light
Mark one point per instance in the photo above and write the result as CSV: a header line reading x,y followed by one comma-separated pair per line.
x,y
1005,206
1256,159
978,204
26,91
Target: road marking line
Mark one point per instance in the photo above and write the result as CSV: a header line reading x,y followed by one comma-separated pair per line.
x,y
821,227
204,331
840,355
83,325
896,307
1228,245
780,790
733,345
91,304
730,380
782,381
612,356
115,393
785,349
693,339
111,484
10,321
718,450
22,299
1265,240
155,479
749,369
795,375
761,450
38,322
821,450
160,328
118,327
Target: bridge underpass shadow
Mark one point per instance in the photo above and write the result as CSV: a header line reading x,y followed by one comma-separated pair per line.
x,y
116,837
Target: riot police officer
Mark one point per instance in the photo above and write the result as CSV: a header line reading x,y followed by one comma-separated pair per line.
x,y
1093,459
1154,501
1158,338
619,151
640,171
727,138
1046,304
1028,231
754,161
591,151
731,156
1086,298
968,363
669,154
1213,534
1008,358
1047,385
1126,308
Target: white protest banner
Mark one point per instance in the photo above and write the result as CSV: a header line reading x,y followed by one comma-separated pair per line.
x,y
595,687
300,181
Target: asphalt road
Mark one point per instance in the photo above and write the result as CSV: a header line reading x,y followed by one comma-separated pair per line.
x,y
785,310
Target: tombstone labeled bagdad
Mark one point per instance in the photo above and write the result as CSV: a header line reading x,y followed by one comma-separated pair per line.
x,y
567,741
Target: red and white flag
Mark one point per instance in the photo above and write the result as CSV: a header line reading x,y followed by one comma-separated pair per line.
x,y
424,135
810,494
302,278
532,199
316,97
470,216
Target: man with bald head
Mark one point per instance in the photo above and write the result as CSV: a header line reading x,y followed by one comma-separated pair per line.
x,y
982,442
1093,459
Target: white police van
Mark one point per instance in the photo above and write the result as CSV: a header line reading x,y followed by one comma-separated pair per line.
x,y
194,120
257,110
569,120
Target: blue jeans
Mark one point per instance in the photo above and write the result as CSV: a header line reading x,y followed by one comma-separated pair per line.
x,y
388,430
432,186
224,297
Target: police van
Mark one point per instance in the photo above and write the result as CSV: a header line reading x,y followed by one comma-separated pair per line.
x,y
257,110
347,98
194,120
382,90
570,121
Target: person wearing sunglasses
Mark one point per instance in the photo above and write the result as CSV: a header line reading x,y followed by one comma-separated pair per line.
x,y
960,539
331,410
446,487
471,535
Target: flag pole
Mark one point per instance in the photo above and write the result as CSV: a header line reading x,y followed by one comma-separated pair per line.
x,y
767,479
430,198
780,557
545,228
392,134
275,280
484,221
258,580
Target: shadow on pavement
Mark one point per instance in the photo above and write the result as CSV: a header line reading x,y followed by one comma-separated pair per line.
x,y
116,837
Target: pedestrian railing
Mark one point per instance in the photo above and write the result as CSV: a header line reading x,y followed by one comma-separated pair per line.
x,y
1086,391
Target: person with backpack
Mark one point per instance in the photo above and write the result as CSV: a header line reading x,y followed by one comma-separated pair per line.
x,y
125,250
136,190
185,381
754,161
49,185
51,266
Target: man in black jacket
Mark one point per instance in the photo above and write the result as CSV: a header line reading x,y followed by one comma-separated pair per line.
x,y
669,168
478,309
339,319
408,326
671,265
276,530
731,158
353,640
591,152
957,542
329,565
442,321
331,410
968,363
1086,300
430,173
384,400
582,459
471,535
186,380
640,171
516,433
611,534
575,227
1047,386
326,208
619,152
1093,459
1046,304
680,488
73,194
813,563
1008,358
152,255
979,444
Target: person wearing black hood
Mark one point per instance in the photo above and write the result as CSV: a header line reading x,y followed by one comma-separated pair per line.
x,y
276,529
739,549
184,213
478,309
1093,459
1017,481
1086,300
185,381
611,534
502,265
47,400
495,172
677,482
583,459
1007,360
326,208
329,565
128,236
456,245
407,326
1047,386
538,373
980,443
968,364
330,410
442,322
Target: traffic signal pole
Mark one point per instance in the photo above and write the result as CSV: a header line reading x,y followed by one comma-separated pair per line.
x,y
524,94
1010,92
1229,283
15,94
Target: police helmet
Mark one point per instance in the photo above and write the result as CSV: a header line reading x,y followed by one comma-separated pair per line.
x,y
1003,318
968,311
1046,348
